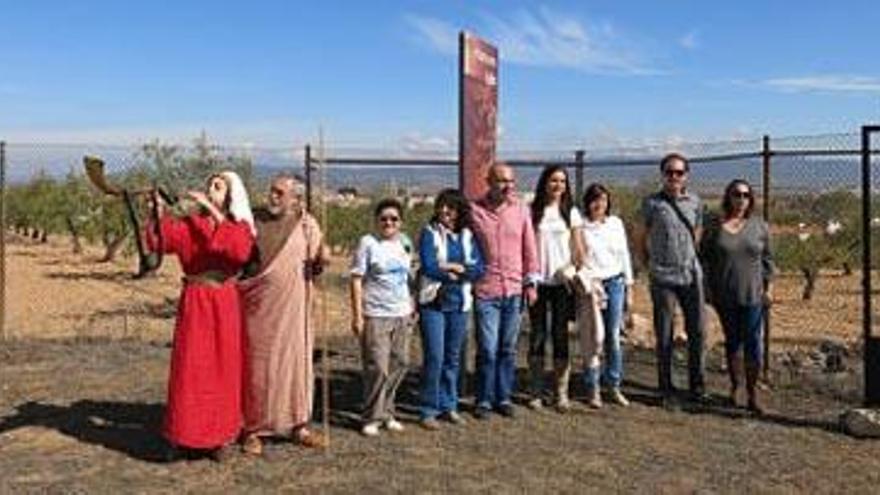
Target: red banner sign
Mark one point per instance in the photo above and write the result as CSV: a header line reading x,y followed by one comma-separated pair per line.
x,y
478,109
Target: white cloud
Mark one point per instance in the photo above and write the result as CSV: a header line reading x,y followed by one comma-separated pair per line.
x,y
270,133
824,83
690,41
418,143
544,38
439,35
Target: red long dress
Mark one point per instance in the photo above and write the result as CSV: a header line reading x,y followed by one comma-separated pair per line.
x,y
204,387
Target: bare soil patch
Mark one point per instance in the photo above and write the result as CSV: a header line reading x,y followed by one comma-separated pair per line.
x,y
83,387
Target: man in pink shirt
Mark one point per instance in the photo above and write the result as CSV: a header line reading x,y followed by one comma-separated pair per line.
x,y
503,226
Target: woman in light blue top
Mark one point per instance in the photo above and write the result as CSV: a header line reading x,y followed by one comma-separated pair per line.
x,y
450,260
381,314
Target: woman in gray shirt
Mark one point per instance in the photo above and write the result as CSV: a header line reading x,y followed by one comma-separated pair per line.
x,y
738,268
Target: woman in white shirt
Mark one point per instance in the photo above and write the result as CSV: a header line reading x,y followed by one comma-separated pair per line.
x,y
554,218
608,259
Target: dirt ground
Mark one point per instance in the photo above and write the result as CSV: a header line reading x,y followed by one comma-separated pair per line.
x,y
52,293
83,385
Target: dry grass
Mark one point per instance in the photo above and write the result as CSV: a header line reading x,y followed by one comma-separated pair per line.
x,y
80,415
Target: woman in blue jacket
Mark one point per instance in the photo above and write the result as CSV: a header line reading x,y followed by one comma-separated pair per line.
x,y
450,261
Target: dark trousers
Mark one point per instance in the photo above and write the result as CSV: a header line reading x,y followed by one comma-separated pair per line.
x,y
690,298
556,300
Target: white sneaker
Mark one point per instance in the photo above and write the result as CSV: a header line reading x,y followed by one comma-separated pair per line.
x,y
617,397
563,405
594,400
393,425
371,429
536,404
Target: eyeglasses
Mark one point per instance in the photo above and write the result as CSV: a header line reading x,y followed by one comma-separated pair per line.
x,y
389,219
740,195
675,172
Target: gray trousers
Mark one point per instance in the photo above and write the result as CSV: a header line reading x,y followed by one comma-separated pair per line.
x,y
690,297
385,358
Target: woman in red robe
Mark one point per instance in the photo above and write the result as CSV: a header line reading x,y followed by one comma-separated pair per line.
x,y
204,387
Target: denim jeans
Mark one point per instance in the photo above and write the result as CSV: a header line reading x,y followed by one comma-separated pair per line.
x,y
498,322
690,297
612,319
743,327
442,336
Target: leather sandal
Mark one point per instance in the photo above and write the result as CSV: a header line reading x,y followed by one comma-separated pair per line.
x,y
252,445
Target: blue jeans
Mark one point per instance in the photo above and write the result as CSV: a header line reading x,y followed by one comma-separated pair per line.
x,y
442,336
498,322
612,319
743,327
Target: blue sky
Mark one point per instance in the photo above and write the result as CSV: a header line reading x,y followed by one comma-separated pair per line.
x,y
383,73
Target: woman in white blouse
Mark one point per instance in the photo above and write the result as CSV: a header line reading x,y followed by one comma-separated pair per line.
x,y
554,218
608,259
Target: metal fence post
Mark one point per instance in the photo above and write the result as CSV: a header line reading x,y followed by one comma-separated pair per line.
x,y
308,165
579,175
871,345
3,239
765,191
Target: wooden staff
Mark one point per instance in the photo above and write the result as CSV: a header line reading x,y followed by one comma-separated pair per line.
x,y
325,348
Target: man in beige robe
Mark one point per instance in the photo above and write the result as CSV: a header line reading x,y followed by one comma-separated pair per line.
x,y
276,293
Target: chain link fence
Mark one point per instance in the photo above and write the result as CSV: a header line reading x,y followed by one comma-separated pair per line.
x,y
69,253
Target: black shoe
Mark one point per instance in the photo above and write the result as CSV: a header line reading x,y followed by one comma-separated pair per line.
x,y
699,396
670,402
506,410
169,453
482,413
221,455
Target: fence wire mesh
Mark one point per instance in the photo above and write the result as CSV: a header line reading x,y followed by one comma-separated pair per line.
x,y
81,285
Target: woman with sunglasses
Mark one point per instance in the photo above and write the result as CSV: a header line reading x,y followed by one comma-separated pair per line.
x,y
554,218
381,312
738,264
450,260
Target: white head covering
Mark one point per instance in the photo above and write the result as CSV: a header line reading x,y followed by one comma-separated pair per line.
x,y
239,205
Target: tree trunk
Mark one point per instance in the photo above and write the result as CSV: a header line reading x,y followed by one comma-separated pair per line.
x,y
810,276
74,234
112,246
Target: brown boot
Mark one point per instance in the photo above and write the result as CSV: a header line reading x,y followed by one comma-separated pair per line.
x,y
562,373
753,372
735,370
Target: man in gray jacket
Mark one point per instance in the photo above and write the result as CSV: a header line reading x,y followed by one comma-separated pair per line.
x,y
672,227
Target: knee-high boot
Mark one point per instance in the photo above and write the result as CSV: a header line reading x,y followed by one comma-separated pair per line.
x,y
536,381
735,370
562,372
753,372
